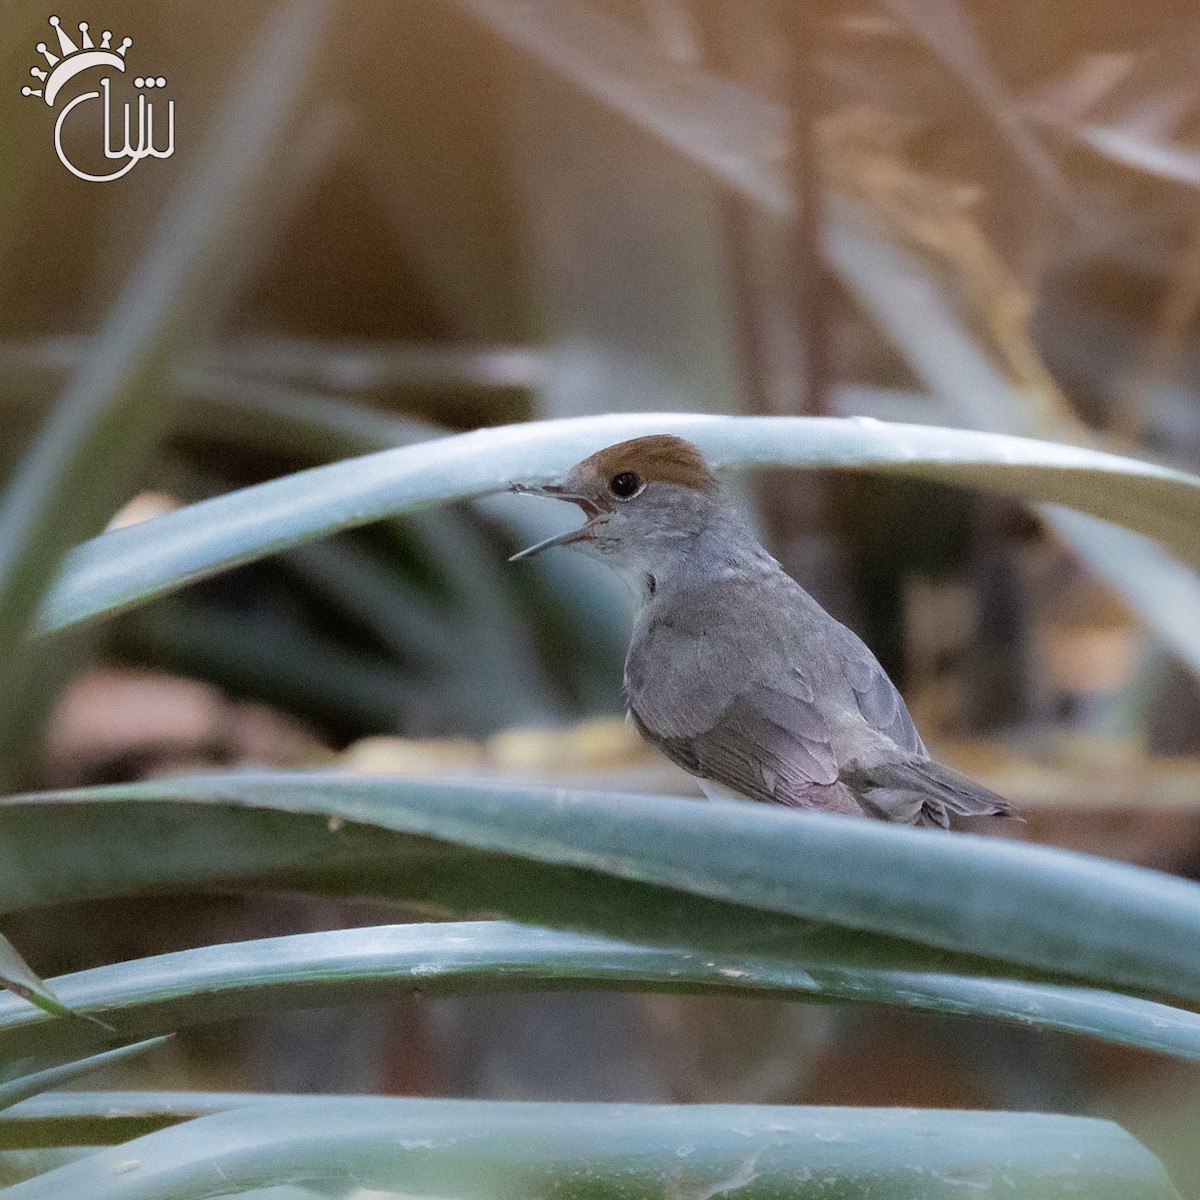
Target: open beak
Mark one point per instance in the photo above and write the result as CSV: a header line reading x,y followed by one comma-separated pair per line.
x,y
555,491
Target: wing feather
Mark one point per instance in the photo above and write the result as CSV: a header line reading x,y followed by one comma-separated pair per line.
x,y
767,744
881,705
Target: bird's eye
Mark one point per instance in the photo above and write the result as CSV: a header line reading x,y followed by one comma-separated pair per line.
x,y
625,485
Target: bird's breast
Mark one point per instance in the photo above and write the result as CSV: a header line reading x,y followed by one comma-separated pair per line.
x,y
683,670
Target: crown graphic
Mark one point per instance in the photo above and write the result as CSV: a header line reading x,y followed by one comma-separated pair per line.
x,y
72,59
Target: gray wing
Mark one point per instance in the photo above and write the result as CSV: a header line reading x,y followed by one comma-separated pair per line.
x,y
882,707
767,744
915,791
707,708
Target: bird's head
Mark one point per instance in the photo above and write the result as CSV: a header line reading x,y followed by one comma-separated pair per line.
x,y
644,500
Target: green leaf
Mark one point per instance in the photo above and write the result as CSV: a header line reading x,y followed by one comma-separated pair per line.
x,y
17,975
108,1118
19,1165
320,428
19,978
25,1086
314,428
92,449
721,877
174,991
92,844
491,1150
129,566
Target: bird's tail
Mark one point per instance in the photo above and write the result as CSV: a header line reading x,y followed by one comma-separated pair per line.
x,y
923,792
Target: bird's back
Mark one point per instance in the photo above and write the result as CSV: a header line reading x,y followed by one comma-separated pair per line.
x,y
745,681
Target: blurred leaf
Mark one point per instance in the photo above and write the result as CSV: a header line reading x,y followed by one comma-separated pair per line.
x,y
736,135
731,131
129,566
946,29
16,1090
175,991
674,872
399,615
371,368
478,1149
293,420
321,428
253,366
18,977
314,427
1133,148
275,658
471,632
92,449
18,1165
1135,107
921,317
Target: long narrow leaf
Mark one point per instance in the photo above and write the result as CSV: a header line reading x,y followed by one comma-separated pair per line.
x,y
58,849
316,428
25,1086
716,877
18,1165
479,1150
174,991
129,566
81,1118
98,439
19,977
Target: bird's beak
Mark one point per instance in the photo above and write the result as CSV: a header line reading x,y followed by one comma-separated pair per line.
x,y
554,491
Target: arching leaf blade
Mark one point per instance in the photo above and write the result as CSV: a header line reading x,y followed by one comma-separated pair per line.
x,y
130,566
190,987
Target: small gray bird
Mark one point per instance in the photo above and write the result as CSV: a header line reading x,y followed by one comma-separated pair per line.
x,y
735,672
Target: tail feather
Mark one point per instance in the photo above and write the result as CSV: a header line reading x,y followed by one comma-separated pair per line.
x,y
923,792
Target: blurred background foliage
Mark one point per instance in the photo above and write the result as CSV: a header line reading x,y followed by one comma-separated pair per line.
x,y
465,213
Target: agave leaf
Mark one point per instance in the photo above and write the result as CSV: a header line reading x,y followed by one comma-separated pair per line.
x,y
174,991
716,877
129,566
16,1090
17,975
19,1165
472,1150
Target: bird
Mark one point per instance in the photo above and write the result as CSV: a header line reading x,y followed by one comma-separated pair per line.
x,y
733,670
